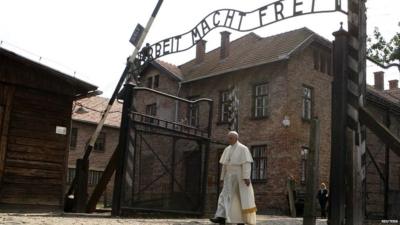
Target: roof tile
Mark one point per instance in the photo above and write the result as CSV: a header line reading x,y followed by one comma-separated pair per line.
x,y
93,107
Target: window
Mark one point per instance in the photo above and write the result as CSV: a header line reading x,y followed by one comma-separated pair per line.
x,y
70,175
193,115
304,152
224,106
94,177
260,100
153,81
329,65
259,170
150,82
307,103
156,81
74,136
322,61
100,144
151,110
316,59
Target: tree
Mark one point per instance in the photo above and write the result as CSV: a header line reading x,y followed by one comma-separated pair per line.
x,y
385,54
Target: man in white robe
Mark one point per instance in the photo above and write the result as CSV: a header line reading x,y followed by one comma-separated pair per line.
x,y
236,202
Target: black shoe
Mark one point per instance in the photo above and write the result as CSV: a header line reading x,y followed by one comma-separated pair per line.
x,y
240,224
219,220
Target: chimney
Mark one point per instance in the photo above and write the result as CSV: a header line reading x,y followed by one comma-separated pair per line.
x,y
393,84
379,80
224,44
200,51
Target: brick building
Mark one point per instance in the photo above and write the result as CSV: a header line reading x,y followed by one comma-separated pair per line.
x,y
85,117
281,82
282,77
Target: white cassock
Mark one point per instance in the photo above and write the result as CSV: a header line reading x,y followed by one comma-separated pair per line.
x,y
236,201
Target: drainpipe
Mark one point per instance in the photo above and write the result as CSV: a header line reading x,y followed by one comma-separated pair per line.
x,y
176,101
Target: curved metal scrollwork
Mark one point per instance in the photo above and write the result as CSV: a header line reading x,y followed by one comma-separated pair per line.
x,y
238,21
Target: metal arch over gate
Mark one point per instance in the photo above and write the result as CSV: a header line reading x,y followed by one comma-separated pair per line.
x,y
348,109
239,21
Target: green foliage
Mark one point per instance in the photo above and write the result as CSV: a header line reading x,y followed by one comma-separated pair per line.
x,y
382,51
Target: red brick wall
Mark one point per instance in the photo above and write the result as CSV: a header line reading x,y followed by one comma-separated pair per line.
x,y
302,72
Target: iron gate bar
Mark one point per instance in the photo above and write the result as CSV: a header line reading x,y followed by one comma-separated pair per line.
x,y
143,118
165,167
134,166
119,180
205,135
209,101
166,134
162,163
173,165
172,96
159,177
204,181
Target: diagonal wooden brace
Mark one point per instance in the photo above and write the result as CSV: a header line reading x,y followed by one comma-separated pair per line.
x,y
379,130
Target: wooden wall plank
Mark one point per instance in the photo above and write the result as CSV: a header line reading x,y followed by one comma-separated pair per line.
x,y
7,98
36,142
35,149
31,164
40,173
31,180
17,132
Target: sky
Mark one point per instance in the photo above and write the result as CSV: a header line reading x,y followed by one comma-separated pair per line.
x,y
90,39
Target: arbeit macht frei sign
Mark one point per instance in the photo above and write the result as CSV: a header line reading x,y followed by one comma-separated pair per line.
x,y
239,21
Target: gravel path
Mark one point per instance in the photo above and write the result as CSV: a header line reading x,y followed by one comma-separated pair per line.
x,y
106,219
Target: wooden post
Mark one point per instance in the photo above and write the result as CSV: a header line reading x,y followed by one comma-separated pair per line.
x,y
350,197
101,186
309,217
290,190
336,213
121,151
356,74
353,180
82,169
172,178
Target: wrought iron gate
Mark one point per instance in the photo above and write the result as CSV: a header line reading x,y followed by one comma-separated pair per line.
x,y
166,161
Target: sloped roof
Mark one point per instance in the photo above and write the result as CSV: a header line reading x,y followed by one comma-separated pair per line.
x,y
383,94
248,51
93,107
81,88
170,68
384,99
394,93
